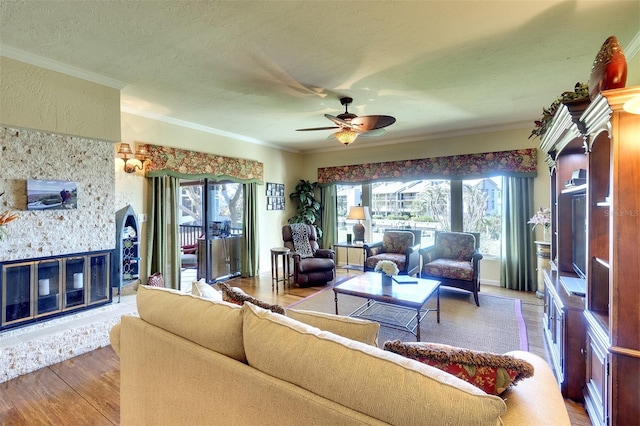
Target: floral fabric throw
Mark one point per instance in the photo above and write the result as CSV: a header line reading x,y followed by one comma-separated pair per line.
x,y
301,240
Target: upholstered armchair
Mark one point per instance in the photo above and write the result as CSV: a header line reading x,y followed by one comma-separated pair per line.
x,y
454,260
318,269
398,247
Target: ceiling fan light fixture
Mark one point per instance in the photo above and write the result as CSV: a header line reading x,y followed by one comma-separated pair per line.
x,y
346,136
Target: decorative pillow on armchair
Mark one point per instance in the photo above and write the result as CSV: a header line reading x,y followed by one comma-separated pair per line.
x,y
238,297
490,372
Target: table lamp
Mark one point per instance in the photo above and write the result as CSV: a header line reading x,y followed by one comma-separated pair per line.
x,y
358,213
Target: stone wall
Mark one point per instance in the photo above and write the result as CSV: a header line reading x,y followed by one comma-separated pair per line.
x,y
28,154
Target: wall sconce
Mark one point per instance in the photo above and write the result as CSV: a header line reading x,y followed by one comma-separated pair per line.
x,y
141,154
346,136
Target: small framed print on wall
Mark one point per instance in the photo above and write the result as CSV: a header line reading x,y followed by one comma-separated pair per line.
x,y
275,196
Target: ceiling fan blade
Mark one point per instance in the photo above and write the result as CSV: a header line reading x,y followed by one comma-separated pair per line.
x,y
317,128
340,122
373,132
370,122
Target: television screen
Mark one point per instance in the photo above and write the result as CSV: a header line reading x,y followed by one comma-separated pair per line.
x,y
579,234
51,194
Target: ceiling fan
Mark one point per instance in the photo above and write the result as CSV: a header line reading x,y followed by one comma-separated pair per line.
x,y
351,125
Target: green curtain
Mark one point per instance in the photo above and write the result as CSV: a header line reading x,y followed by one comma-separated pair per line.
x,y
518,267
250,250
163,253
329,220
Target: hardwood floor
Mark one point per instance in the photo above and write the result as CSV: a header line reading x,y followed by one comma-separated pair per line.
x,y
85,390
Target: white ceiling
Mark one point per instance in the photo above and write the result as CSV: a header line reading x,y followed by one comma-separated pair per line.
x,y
258,70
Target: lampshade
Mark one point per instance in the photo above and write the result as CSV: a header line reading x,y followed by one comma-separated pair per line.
x,y
359,213
346,136
141,153
130,163
125,149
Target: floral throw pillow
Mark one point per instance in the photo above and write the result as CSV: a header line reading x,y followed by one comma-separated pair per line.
x,y
238,297
492,373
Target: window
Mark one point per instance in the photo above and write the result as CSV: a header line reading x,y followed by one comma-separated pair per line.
x,y
346,196
224,208
482,212
427,205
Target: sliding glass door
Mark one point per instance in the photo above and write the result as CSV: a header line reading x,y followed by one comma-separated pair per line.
x,y
212,215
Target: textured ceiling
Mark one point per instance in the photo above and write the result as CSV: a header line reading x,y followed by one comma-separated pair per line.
x,y
258,70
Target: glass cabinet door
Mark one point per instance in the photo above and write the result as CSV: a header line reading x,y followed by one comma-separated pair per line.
x,y
74,282
16,292
99,284
48,286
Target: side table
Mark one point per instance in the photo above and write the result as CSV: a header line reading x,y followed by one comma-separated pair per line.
x,y
348,246
275,277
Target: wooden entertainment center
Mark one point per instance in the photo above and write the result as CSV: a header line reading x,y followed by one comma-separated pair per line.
x,y
592,288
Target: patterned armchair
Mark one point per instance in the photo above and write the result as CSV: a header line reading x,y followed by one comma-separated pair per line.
x,y
398,247
454,260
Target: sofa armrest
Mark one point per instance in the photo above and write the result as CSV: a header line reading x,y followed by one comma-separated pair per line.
x,y
413,261
414,248
326,253
428,254
114,338
372,249
525,399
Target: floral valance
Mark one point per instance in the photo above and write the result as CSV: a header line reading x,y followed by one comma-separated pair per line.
x,y
164,160
521,162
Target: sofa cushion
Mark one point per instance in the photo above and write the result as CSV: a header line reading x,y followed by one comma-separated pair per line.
x,y
490,372
450,268
313,264
352,328
380,384
398,259
238,297
202,289
214,325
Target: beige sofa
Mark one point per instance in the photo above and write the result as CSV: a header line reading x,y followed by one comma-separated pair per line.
x,y
190,361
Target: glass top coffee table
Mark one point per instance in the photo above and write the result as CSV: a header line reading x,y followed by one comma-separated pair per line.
x,y
386,304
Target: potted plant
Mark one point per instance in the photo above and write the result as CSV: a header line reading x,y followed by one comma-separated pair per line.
x,y
580,91
308,207
542,218
5,218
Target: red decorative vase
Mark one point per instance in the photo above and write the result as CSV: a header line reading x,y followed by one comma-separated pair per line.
x,y
609,69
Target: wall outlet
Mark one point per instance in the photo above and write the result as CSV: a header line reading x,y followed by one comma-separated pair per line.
x,y
142,217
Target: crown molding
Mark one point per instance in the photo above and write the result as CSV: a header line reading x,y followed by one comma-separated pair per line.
x,y
30,58
198,127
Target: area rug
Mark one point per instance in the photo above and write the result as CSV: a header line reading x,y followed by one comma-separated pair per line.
x,y
496,326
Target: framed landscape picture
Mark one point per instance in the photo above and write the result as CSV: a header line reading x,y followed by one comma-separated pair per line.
x,y
51,195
